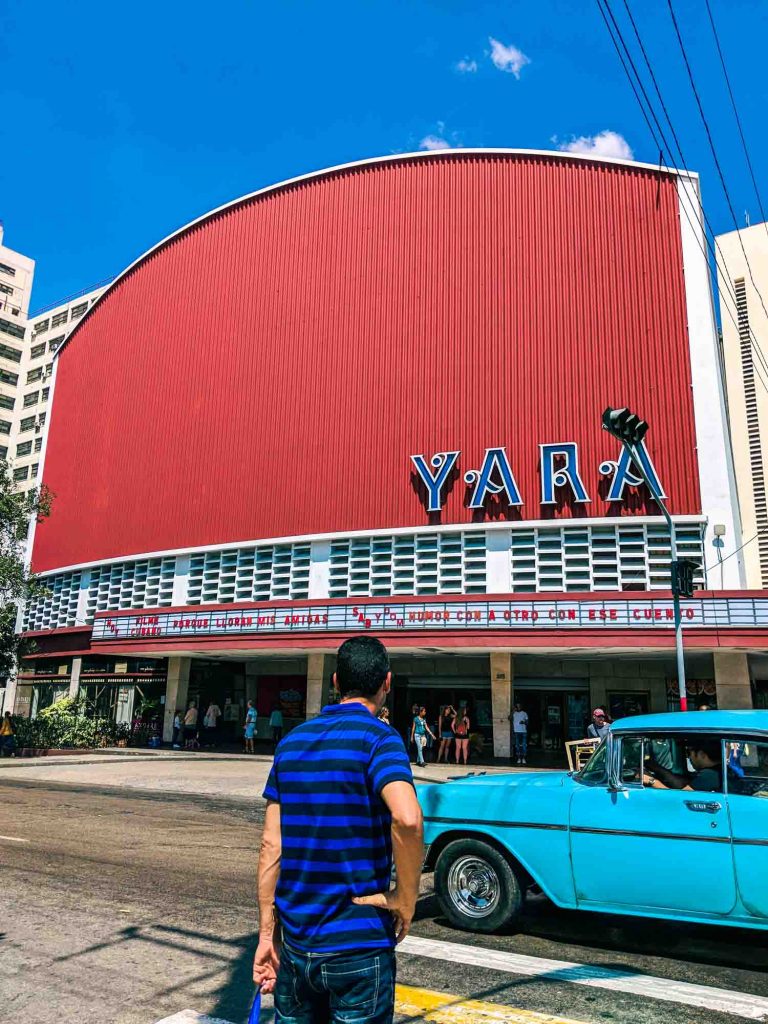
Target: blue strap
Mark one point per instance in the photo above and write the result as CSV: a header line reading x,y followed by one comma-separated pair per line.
x,y
256,1008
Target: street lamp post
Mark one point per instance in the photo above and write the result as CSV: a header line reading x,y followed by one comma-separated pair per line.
x,y
630,430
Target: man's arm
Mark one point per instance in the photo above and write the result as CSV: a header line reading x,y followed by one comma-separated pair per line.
x,y
408,850
267,959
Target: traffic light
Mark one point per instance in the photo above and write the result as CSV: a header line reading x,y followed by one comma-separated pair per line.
x,y
624,425
683,571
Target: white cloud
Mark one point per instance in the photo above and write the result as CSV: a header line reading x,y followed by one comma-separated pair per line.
x,y
467,66
507,58
434,142
605,143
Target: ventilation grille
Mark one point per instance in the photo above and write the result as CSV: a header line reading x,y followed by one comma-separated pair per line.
x,y
144,584
447,563
621,557
753,428
250,574
59,608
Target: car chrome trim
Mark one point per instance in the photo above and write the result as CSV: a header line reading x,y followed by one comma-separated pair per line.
x,y
582,829
749,842
500,824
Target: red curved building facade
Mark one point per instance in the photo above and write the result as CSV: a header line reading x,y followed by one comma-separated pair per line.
x,y
257,387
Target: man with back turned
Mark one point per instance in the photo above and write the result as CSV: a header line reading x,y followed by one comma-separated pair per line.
x,y
340,802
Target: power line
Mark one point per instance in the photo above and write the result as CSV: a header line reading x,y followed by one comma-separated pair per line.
x,y
736,115
665,144
714,152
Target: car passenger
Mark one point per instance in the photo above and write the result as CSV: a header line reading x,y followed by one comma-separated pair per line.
x,y
706,756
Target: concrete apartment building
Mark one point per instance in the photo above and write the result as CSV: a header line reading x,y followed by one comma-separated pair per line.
x,y
27,347
744,316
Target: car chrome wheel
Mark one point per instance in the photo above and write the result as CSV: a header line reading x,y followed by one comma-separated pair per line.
x,y
473,887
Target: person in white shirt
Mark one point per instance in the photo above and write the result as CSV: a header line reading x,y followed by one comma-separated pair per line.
x,y
520,730
210,722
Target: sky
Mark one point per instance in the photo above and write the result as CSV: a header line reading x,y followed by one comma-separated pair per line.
x,y
124,122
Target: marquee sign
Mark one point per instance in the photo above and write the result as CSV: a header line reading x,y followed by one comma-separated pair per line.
x,y
434,616
559,466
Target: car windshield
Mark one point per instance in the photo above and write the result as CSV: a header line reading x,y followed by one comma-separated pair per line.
x,y
594,771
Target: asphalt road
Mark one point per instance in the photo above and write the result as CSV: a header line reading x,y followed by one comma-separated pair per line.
x,y
126,907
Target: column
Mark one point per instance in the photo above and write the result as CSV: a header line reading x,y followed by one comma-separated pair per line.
x,y
176,688
74,678
502,676
732,680
318,666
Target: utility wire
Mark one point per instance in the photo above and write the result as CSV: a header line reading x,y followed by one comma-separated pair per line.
x,y
720,263
736,115
714,152
615,34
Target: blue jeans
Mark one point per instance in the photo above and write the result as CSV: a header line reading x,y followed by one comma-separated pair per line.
x,y
521,744
335,988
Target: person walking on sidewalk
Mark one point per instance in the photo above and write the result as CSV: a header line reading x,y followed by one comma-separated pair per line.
x,y
461,732
447,717
7,737
520,732
276,724
340,800
250,727
419,730
190,727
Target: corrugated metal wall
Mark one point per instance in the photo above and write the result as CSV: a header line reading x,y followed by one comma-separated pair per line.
x,y
270,371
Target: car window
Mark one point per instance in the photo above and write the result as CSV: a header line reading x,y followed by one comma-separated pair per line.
x,y
748,768
632,760
595,771
693,762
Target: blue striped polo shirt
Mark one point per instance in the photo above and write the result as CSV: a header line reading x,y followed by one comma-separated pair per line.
x,y
327,776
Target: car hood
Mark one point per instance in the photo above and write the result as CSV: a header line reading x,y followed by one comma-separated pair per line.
x,y
486,790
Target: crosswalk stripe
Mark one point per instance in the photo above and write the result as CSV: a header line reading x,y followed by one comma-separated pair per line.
x,y
739,1004
443,1008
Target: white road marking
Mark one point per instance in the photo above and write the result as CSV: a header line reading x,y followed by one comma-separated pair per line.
x,y
13,839
740,1004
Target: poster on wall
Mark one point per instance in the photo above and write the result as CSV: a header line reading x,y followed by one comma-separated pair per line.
x,y
292,703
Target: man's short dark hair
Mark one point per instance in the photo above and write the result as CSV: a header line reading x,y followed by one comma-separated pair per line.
x,y
711,748
361,666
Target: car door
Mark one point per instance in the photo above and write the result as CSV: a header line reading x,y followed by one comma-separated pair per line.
x,y
657,849
748,810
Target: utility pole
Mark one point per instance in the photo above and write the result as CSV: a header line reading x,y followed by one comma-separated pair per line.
x,y
630,430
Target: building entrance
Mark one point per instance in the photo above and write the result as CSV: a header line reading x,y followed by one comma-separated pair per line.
x,y
555,715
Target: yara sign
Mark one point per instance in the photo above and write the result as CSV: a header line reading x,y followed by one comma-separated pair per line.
x,y
559,469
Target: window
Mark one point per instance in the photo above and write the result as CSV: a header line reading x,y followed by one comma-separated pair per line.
x,y
27,423
45,393
5,269
54,343
34,375
594,771
38,443
79,310
9,378
59,319
35,467
21,473
37,350
40,326
41,418
7,289
9,352
48,369
25,448
5,427
3,453
748,768
6,402
31,399
13,329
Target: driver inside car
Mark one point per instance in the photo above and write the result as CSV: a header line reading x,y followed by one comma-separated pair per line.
x,y
707,776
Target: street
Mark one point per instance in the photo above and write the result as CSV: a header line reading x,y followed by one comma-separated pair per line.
x,y
127,905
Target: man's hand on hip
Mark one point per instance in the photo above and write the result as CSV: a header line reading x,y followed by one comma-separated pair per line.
x,y
265,965
401,909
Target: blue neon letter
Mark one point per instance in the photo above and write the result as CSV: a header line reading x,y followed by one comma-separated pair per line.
x,y
565,475
442,463
623,473
495,459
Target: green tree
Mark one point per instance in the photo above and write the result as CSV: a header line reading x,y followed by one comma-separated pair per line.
x,y
17,583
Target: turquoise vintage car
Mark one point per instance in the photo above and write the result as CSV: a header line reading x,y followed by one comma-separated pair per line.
x,y
652,826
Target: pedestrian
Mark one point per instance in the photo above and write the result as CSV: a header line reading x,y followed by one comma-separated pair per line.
x,y
190,727
211,722
177,727
461,727
276,724
599,727
326,855
409,740
520,732
419,730
7,736
250,727
384,715
445,727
